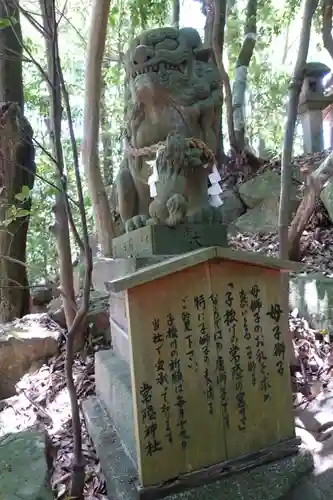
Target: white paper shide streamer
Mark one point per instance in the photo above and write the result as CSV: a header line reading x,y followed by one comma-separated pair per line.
x,y
215,190
153,178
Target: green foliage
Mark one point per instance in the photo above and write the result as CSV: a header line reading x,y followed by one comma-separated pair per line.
x,y
13,213
145,13
17,210
24,195
269,72
266,100
5,22
289,10
41,249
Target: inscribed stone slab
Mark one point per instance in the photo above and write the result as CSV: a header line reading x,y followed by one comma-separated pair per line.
x,y
162,240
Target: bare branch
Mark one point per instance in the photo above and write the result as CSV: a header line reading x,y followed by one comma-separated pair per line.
x,y
62,13
294,93
11,259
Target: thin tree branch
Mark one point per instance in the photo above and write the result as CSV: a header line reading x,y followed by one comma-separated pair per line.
x,y
62,13
294,93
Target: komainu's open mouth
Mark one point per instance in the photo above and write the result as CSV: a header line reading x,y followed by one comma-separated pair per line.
x,y
156,68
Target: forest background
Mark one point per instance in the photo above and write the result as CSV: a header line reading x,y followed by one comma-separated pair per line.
x,y
278,31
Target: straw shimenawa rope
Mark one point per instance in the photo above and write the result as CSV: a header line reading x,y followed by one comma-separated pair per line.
x,y
192,142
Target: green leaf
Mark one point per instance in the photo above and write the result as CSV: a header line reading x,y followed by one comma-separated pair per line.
x,y
22,213
24,194
6,21
113,16
19,197
26,191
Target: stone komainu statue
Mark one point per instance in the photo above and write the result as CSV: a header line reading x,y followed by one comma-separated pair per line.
x,y
173,95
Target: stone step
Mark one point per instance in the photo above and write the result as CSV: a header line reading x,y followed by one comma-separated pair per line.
x,y
272,481
119,471
120,341
113,389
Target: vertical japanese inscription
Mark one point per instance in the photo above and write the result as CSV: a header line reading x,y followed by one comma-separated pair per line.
x,y
237,371
251,364
162,377
204,342
221,375
256,306
177,379
192,362
148,416
275,313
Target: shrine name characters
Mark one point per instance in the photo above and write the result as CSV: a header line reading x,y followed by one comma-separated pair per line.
x,y
169,379
237,371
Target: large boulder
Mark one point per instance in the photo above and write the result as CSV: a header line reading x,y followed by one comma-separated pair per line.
x,y
232,206
263,218
23,344
24,467
326,197
265,186
98,314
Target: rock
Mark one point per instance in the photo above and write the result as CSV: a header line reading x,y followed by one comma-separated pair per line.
x,y
56,311
23,343
263,186
312,294
326,197
263,218
24,473
232,207
98,315
44,294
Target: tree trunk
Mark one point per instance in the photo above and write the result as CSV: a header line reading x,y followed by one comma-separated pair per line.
x,y
103,218
242,66
175,13
215,12
219,8
294,92
327,26
17,169
209,22
106,135
60,229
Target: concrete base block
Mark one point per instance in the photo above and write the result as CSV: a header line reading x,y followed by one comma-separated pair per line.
x,y
160,240
110,269
120,343
113,389
106,269
268,482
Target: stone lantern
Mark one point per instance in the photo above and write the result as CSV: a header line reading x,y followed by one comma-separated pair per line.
x,y
311,104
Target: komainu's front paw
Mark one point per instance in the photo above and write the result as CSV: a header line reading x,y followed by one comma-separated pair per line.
x,y
177,206
206,215
136,222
